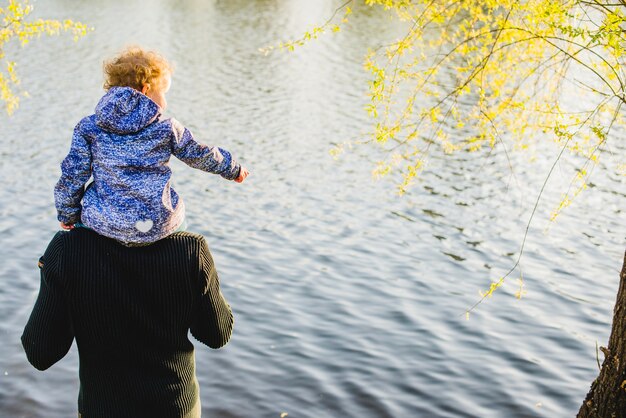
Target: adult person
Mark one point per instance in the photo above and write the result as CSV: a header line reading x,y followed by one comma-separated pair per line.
x,y
130,310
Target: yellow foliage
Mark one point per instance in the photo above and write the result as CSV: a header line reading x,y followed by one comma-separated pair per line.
x,y
511,61
14,26
492,288
520,291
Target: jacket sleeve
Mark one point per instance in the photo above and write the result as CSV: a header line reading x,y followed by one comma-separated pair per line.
x,y
210,159
212,322
75,172
48,335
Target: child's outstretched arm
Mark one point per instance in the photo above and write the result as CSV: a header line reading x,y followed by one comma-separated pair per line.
x,y
210,159
75,172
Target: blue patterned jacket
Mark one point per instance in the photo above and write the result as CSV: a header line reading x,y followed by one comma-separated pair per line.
x,y
126,147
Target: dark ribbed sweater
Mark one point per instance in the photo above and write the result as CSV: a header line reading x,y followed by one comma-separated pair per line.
x,y
130,310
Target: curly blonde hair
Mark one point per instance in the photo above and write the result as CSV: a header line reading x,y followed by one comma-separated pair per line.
x,y
135,67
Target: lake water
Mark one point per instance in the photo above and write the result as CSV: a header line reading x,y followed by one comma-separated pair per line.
x,y
349,300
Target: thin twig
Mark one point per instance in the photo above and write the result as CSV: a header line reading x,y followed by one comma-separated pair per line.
x,y
530,219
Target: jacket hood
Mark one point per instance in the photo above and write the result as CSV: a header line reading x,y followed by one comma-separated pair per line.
x,y
124,110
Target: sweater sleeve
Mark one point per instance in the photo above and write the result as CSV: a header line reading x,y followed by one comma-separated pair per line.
x,y
210,159
48,334
213,320
75,172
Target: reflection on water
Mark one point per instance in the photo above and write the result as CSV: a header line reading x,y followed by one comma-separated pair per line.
x,y
349,300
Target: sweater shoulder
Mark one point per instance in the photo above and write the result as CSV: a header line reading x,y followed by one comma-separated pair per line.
x,y
188,237
55,247
51,260
195,245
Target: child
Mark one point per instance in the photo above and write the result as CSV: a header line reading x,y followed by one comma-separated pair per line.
x,y
126,147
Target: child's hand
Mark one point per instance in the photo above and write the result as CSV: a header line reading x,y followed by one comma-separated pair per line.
x,y
67,227
243,173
